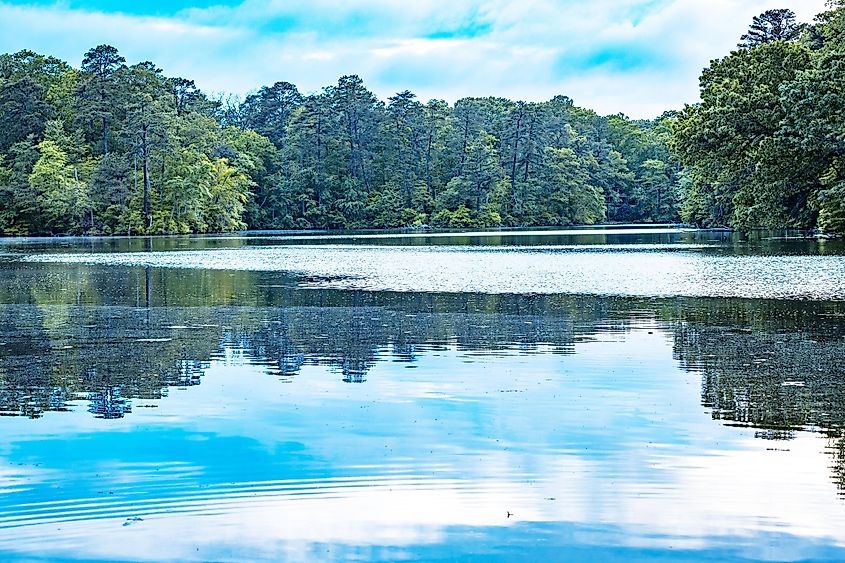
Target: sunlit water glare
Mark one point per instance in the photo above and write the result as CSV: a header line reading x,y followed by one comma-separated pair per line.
x,y
636,270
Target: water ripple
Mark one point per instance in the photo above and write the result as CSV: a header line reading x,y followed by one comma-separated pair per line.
x,y
221,498
671,270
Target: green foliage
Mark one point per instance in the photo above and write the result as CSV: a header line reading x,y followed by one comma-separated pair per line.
x,y
763,148
24,111
831,198
655,190
770,26
571,200
112,148
831,203
62,192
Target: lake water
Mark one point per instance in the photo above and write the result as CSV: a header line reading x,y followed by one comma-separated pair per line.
x,y
625,394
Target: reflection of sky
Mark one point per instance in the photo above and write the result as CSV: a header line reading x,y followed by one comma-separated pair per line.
x,y
607,449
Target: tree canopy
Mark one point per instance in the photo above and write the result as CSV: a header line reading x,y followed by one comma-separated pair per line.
x,y
771,25
764,147
111,147
117,148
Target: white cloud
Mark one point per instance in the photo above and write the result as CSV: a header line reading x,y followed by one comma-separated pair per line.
x,y
633,56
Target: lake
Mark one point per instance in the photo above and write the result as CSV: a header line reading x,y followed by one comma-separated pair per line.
x,y
594,394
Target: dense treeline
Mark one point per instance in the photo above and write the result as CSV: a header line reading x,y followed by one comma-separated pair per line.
x,y
766,146
111,148
114,149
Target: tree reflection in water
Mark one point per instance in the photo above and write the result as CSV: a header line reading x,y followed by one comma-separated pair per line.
x,y
777,366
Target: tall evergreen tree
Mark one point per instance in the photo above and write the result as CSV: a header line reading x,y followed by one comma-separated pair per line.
x,y
101,65
770,26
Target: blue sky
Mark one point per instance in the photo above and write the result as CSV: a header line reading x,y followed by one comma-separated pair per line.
x,y
639,57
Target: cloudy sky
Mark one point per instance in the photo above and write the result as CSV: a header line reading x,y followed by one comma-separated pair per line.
x,y
639,57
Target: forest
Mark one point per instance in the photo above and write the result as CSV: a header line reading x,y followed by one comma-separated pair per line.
x,y
766,145
112,148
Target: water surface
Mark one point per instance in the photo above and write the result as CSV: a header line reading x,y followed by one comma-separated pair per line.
x,y
631,394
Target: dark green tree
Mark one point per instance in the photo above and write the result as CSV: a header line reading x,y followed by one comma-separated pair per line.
x,y
268,111
732,142
23,112
100,67
770,26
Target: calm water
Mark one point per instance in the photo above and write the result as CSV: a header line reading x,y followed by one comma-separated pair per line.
x,y
632,394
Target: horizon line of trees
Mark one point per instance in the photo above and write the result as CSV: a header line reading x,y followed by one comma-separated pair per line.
x,y
116,149
110,148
